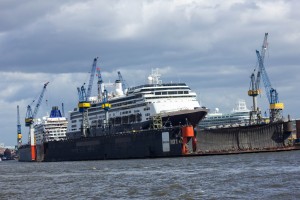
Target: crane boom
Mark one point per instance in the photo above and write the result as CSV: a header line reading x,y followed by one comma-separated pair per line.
x,y
265,77
263,53
92,75
31,115
36,109
264,47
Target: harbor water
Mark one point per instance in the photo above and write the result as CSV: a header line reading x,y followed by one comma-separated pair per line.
x,y
245,176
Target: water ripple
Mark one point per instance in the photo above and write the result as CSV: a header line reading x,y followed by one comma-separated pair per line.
x,y
248,176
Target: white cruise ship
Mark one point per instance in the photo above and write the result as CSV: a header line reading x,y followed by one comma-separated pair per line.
x,y
136,107
51,128
240,115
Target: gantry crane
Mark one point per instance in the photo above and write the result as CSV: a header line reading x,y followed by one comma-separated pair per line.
x,y
19,140
275,106
83,106
29,121
254,89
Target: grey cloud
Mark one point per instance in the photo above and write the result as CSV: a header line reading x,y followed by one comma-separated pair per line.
x,y
208,44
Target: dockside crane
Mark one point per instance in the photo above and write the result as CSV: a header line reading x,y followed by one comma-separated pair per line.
x,y
29,121
92,75
254,89
84,103
19,140
276,107
83,106
31,115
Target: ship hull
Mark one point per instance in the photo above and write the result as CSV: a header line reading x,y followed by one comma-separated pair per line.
x,y
167,142
142,144
192,117
24,153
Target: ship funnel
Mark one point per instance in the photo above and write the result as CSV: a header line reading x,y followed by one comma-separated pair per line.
x,y
119,89
55,112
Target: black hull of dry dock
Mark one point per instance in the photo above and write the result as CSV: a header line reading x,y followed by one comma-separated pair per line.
x,y
141,144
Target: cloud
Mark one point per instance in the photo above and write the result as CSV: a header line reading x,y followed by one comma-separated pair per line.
x,y
210,45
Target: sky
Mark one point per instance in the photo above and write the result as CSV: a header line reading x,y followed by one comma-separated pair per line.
x,y
210,45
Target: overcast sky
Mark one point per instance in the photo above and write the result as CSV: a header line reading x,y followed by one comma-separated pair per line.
x,y
210,45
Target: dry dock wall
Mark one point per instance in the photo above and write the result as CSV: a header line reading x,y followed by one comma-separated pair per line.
x,y
243,139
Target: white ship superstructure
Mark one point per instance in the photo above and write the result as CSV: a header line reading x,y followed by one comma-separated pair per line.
x,y
138,105
239,116
51,128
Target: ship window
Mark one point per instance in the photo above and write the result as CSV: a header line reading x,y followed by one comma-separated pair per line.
x,y
186,92
157,93
164,93
180,92
172,92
